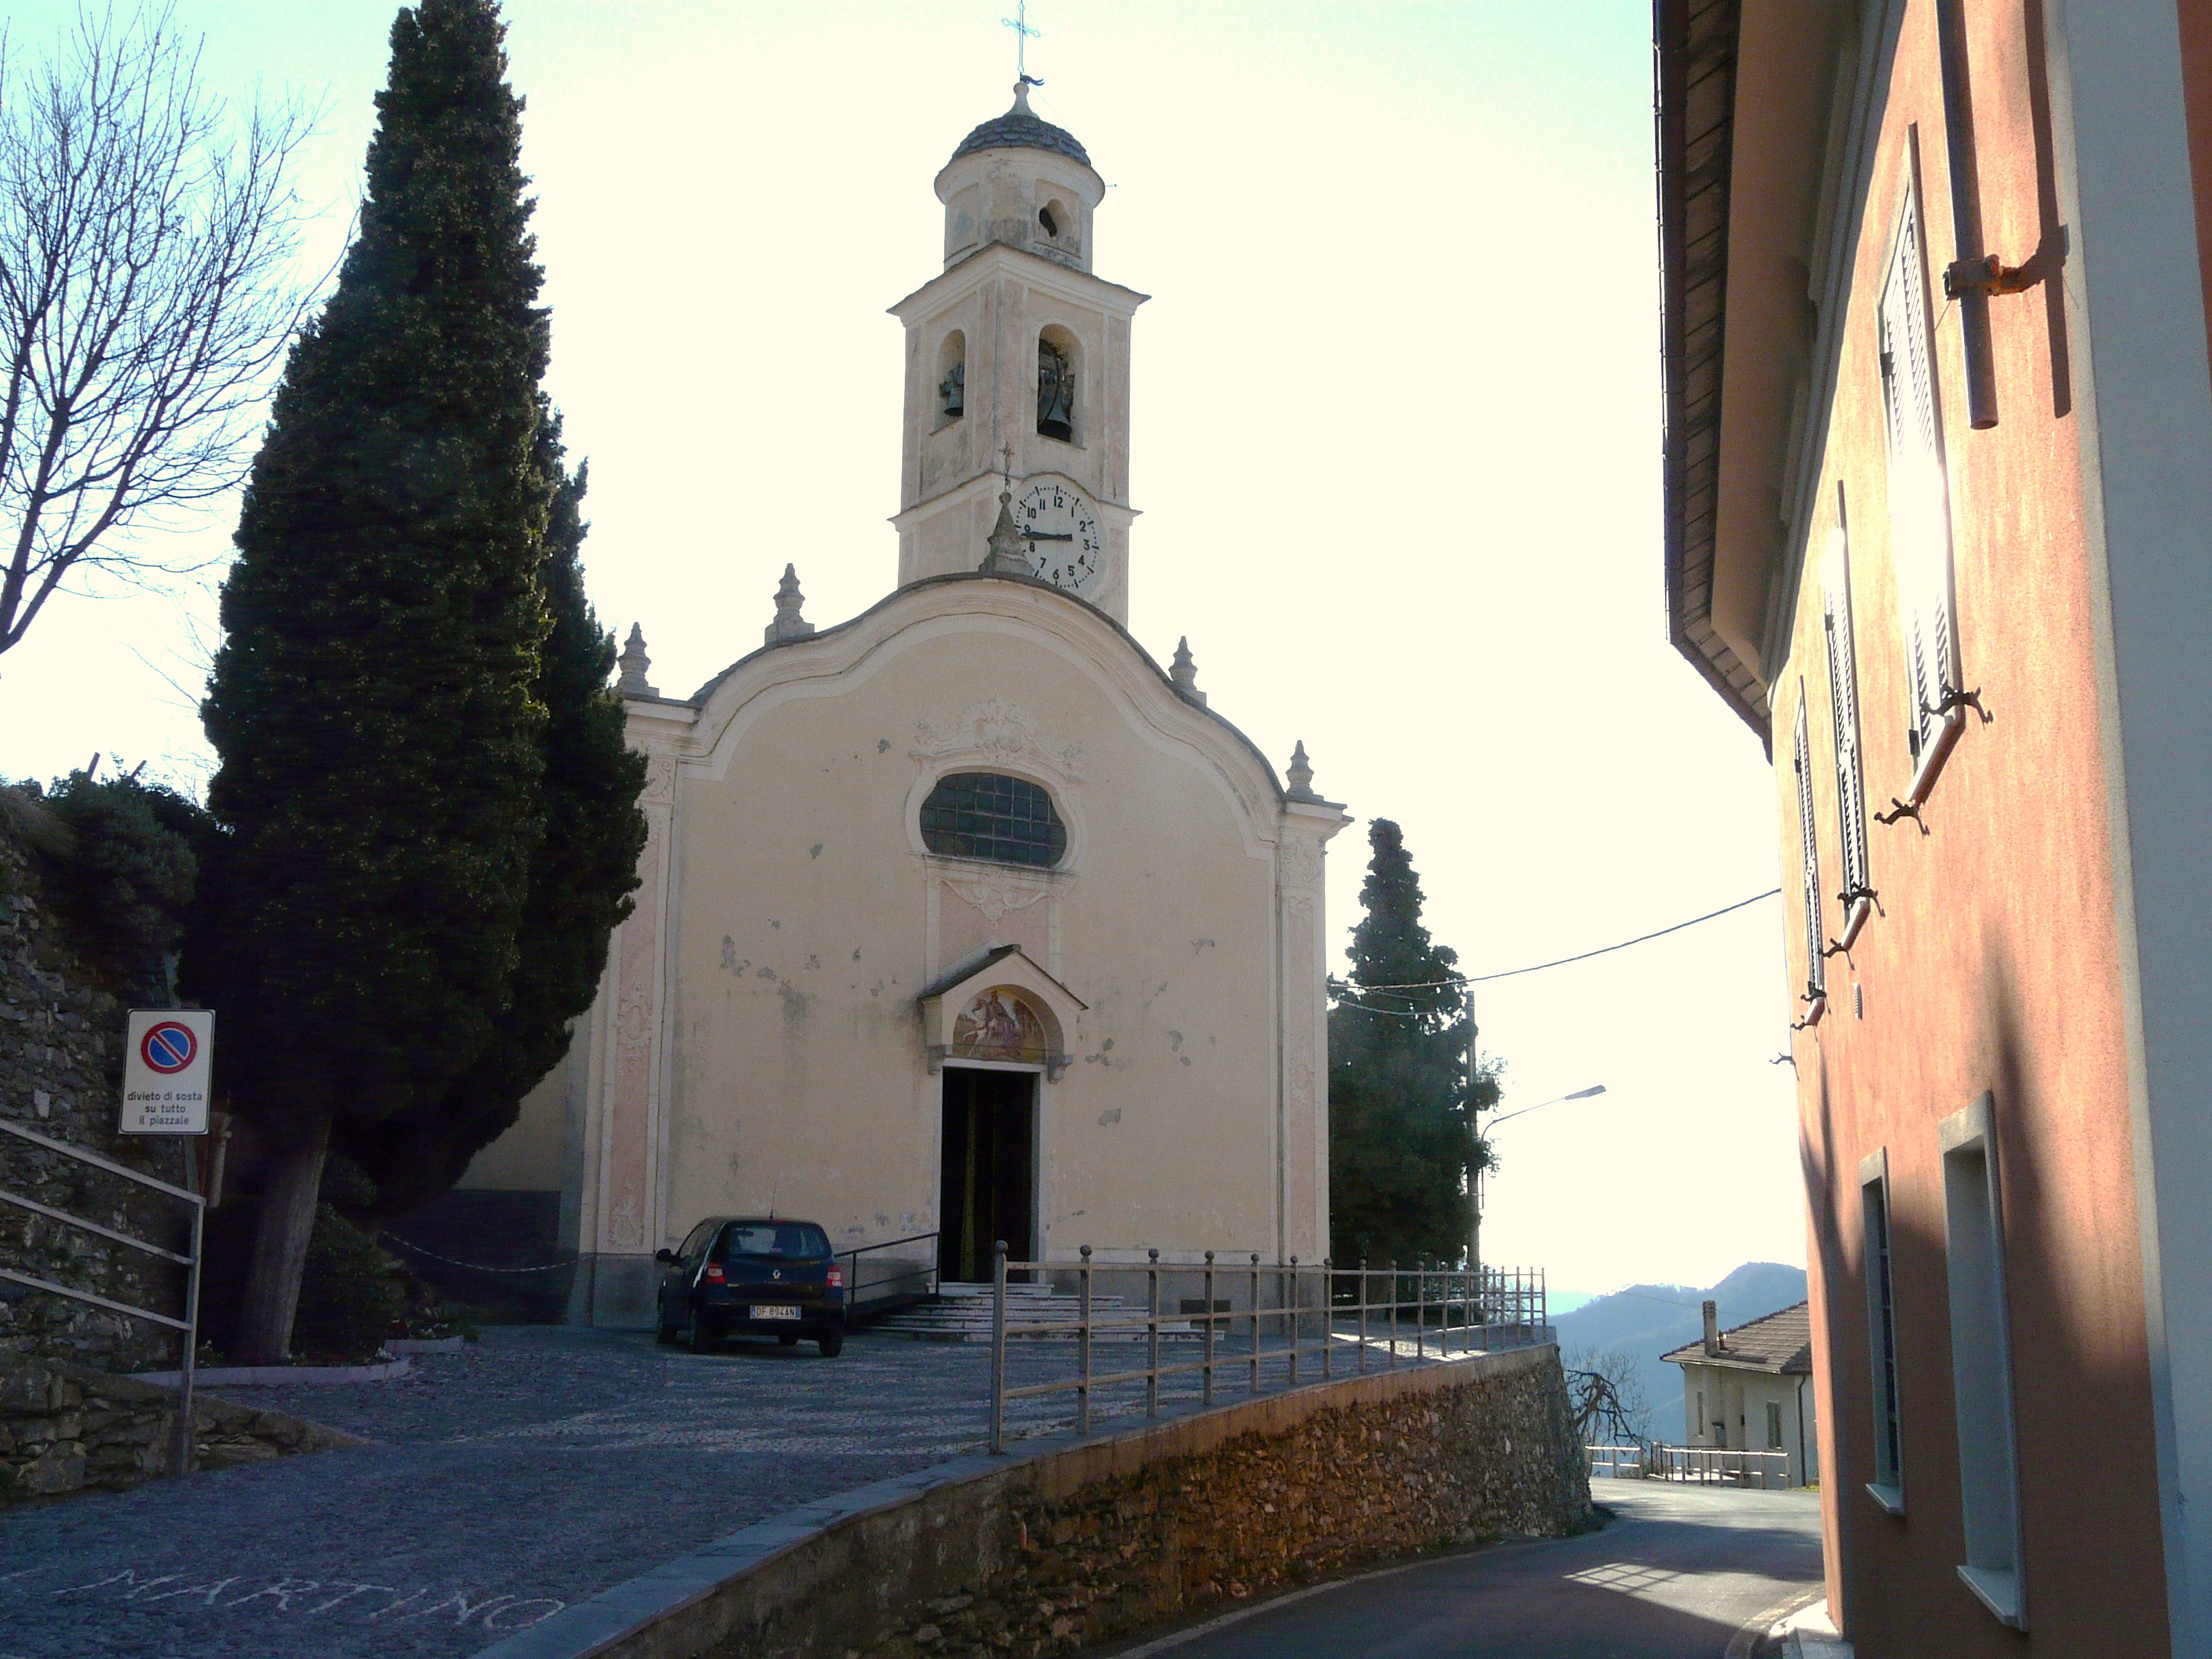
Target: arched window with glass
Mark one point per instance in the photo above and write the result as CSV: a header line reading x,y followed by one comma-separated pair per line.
x,y
989,815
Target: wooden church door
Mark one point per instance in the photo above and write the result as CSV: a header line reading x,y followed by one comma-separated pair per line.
x,y
988,1180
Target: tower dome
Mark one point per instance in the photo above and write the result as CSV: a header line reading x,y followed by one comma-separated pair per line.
x,y
1021,181
1021,127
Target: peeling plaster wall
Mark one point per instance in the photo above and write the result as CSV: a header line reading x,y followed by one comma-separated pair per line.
x,y
809,923
758,1041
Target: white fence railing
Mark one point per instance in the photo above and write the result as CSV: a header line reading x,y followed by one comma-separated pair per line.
x,y
1703,1465
1254,1316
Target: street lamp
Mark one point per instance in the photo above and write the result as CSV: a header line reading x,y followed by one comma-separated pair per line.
x,y
1579,1094
1474,1243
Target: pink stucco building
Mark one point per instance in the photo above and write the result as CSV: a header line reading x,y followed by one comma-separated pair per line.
x,y
1939,528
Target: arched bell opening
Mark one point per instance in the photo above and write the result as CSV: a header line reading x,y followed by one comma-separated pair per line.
x,y
1059,366
951,379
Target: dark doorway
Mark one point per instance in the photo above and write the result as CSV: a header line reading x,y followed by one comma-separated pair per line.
x,y
989,1170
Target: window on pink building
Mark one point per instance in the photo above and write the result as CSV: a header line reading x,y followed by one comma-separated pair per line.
x,y
1919,509
1887,1487
1855,896
1816,973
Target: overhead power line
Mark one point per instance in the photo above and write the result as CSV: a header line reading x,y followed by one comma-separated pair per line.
x,y
1538,967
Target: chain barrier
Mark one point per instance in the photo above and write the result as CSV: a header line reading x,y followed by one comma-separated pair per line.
x,y
476,1267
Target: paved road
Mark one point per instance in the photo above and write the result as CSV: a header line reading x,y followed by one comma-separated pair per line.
x,y
537,1469
1679,1571
534,1470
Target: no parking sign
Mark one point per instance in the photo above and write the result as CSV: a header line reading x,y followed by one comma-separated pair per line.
x,y
167,1059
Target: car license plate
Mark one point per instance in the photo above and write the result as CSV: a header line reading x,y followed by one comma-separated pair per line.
x,y
774,1310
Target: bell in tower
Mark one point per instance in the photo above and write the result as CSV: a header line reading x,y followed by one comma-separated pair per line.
x,y
1055,392
1018,368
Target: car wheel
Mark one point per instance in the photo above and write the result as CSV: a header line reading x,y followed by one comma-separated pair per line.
x,y
832,1345
704,1336
669,1333
786,1339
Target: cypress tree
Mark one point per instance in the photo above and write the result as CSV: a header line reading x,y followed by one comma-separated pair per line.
x,y
580,880
1402,1139
374,703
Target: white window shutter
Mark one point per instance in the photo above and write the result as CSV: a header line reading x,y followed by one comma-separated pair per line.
x,y
1809,850
1843,699
1919,516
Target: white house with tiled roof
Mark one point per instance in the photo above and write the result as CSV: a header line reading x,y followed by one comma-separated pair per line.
x,y
1747,1389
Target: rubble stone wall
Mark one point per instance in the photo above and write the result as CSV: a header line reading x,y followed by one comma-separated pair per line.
x,y
66,1427
1105,1538
61,1069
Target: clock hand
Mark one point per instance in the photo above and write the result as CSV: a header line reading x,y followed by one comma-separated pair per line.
x,y
1049,535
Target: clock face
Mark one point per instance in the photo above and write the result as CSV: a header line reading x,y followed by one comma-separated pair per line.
x,y
1065,543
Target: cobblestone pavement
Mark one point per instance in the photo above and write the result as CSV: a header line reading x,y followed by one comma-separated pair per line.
x,y
532,1471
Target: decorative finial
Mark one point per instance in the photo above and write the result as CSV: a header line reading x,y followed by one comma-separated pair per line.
x,y
635,663
1020,23
1008,557
789,623
1184,673
1300,773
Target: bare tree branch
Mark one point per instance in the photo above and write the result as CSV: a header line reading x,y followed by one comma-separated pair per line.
x,y
147,295
1606,1398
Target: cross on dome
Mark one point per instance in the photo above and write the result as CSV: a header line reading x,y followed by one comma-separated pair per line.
x,y
1020,23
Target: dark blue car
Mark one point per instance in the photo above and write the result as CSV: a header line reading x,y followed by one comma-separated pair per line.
x,y
749,1276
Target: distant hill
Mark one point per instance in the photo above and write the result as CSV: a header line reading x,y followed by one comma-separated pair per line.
x,y
1646,1320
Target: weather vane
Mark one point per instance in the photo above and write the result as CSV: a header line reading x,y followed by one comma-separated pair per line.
x,y
1020,23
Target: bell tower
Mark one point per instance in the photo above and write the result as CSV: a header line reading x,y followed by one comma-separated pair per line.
x,y
1017,364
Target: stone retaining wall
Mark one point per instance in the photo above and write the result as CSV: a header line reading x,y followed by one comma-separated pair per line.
x,y
65,1427
1092,1539
61,1070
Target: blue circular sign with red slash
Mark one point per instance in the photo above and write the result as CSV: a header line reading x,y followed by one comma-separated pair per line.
x,y
168,1047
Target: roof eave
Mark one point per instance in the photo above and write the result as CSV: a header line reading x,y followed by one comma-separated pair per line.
x,y
1694,58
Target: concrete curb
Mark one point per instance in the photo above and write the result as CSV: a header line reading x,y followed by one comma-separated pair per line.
x,y
426,1345
623,1620
593,1627
1810,1633
256,1376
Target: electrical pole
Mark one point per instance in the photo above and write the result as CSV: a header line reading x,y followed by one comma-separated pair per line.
x,y
1474,1129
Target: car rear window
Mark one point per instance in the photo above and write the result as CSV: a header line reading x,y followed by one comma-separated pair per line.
x,y
783,1240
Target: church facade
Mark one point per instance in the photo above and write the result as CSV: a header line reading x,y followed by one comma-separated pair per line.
x,y
963,917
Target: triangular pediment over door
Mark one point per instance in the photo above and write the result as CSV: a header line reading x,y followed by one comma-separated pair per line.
x,y
1000,1009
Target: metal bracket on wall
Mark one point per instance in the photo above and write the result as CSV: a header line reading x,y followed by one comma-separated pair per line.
x,y
1987,274
1953,698
1901,810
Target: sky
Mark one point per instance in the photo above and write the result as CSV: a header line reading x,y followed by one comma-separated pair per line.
x,y
1395,441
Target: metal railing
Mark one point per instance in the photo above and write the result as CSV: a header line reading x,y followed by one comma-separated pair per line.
x,y
189,1325
1351,1319
1614,1463
876,1283
1718,1466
